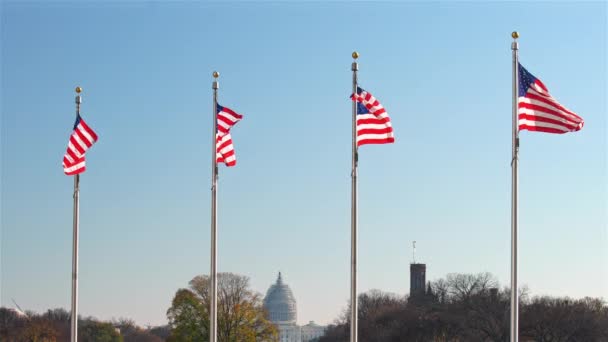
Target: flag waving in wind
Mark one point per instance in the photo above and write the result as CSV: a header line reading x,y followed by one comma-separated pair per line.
x,y
539,111
226,118
82,138
373,123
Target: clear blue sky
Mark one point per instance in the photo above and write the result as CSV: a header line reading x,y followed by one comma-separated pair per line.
x,y
443,72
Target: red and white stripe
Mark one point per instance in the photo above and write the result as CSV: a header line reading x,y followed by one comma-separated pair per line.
x,y
82,138
226,118
539,111
374,127
225,150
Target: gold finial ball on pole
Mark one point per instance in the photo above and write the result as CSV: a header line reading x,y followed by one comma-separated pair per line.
x,y
355,55
78,90
216,74
515,34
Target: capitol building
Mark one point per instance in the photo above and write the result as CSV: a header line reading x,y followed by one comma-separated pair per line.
x,y
282,311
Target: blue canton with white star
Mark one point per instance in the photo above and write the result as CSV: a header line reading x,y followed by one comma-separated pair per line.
x,y
526,79
361,109
78,118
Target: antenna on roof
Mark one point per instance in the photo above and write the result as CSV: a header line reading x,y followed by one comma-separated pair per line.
x,y
414,252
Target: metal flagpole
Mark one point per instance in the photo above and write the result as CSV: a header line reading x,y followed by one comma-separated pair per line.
x,y
514,185
214,174
74,318
353,218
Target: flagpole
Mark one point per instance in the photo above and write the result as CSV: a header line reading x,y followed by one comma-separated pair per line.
x,y
74,311
214,175
514,186
353,218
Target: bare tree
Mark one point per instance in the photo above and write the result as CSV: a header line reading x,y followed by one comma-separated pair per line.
x,y
549,319
471,307
461,287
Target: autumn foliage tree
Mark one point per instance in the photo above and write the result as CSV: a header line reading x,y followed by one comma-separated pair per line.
x,y
241,316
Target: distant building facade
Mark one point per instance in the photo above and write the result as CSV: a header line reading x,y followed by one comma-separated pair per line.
x,y
417,279
312,331
282,311
420,291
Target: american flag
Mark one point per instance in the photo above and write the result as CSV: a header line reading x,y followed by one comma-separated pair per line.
x,y
373,123
539,111
226,118
82,138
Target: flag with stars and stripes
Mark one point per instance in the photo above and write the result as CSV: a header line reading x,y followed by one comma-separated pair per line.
x,y
226,118
539,111
373,123
82,138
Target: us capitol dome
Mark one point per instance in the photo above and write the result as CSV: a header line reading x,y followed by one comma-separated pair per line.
x,y
280,303
282,311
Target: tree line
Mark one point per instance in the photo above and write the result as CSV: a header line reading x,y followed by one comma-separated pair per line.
x,y
241,318
467,307
457,308
54,326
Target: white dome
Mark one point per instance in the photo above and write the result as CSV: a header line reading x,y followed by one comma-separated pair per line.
x,y
280,303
